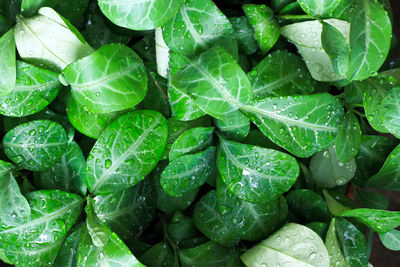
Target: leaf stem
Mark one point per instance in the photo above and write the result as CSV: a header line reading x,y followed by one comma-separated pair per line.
x,y
294,17
359,113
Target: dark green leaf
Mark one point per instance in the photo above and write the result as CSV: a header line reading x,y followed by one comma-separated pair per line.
x,y
372,200
160,255
35,145
337,204
266,28
352,243
189,172
390,111
198,26
127,151
100,246
211,223
348,138
89,123
319,8
129,211
36,241
217,91
244,34
236,126
165,202
290,123
208,254
308,205
320,228
156,97
34,90
388,176
30,7
112,78
67,174
192,141
255,174
68,253
280,74
251,221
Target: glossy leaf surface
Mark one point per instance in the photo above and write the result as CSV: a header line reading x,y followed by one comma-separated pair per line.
x,y
127,150
111,79
290,123
35,145
253,173
8,67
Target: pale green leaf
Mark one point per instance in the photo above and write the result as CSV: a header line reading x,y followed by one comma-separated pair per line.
x,y
8,64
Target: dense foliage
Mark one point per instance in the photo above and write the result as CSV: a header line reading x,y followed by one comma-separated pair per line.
x,y
197,133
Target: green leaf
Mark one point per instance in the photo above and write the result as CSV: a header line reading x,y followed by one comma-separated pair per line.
x,y
67,174
308,205
388,176
252,222
15,208
182,230
189,172
335,45
372,200
48,39
375,91
74,11
36,241
218,91
127,212
307,38
198,26
7,168
182,105
34,90
290,123
98,31
99,246
30,7
319,8
319,227
68,254
255,174
89,123
266,28
236,126
380,221
390,111
352,242
160,255
35,145
211,223
337,204
165,202
370,37
280,74
372,153
348,138
327,171
127,150
192,141
112,78
291,246
332,245
244,35
391,240
354,92
139,15
344,10
208,254
8,65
